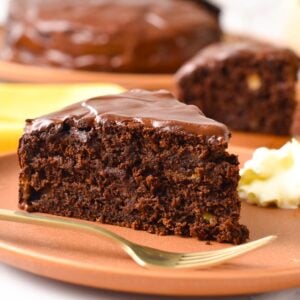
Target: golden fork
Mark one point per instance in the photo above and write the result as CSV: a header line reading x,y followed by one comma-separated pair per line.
x,y
145,256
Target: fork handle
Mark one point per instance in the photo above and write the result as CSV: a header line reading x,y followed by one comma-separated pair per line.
x,y
58,222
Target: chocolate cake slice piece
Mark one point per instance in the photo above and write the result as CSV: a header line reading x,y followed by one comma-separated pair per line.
x,y
139,159
246,85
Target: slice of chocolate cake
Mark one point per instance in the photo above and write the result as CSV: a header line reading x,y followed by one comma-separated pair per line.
x,y
139,159
247,86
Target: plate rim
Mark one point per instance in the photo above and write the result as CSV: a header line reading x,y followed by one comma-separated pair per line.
x,y
282,277
17,72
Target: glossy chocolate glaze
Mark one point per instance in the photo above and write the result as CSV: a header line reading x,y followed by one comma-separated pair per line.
x,y
108,35
158,109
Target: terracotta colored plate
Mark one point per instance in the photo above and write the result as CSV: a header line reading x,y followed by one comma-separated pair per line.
x,y
82,259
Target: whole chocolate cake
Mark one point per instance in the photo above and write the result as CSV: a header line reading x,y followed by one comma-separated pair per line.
x,y
139,159
145,36
248,86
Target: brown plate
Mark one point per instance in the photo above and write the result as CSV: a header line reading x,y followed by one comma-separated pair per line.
x,y
82,259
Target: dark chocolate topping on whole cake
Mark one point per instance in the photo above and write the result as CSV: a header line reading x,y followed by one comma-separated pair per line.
x,y
158,109
108,35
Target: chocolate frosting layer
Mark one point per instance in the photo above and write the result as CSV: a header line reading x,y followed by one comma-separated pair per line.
x,y
158,109
108,35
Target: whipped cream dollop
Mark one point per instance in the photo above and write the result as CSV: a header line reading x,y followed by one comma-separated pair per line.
x,y
272,177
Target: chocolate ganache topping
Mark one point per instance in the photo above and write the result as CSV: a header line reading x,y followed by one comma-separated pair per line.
x,y
143,36
158,109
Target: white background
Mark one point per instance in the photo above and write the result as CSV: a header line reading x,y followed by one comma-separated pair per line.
x,y
3,9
